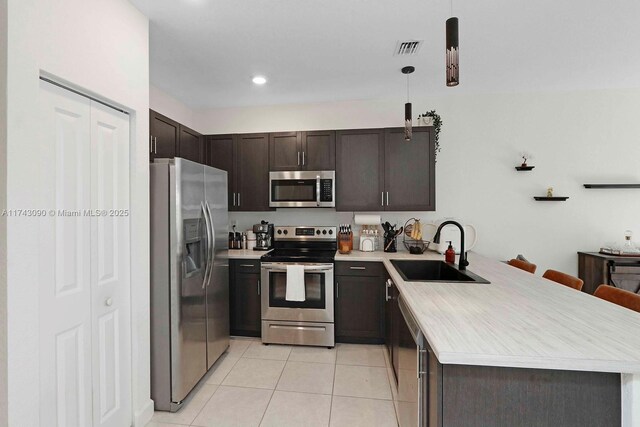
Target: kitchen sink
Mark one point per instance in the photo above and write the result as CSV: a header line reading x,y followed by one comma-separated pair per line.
x,y
434,271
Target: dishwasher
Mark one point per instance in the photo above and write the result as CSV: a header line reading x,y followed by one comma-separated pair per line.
x,y
411,399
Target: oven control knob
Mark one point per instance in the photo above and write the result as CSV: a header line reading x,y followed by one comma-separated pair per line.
x,y
286,232
324,231
330,231
317,231
279,231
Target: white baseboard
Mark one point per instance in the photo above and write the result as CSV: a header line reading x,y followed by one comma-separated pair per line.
x,y
143,415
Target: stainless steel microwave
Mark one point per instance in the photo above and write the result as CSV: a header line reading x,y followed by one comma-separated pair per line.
x,y
302,189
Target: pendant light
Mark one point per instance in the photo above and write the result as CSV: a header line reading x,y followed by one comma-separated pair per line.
x,y
453,50
408,116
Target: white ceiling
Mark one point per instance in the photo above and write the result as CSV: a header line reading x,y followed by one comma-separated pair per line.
x,y
204,52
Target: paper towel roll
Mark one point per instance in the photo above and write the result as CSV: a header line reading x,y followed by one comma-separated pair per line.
x,y
367,219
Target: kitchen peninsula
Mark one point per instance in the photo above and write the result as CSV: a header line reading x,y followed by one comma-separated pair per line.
x,y
511,338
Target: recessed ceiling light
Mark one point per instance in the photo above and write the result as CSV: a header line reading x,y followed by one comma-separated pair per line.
x,y
259,80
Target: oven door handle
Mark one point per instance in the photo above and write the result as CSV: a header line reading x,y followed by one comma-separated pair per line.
x,y
306,268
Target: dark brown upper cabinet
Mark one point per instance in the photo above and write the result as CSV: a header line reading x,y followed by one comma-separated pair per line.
x,y
360,170
409,170
251,158
246,159
218,153
310,150
190,146
169,139
285,152
318,150
378,170
164,136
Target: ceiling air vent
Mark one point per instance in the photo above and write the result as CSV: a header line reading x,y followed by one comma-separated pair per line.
x,y
404,48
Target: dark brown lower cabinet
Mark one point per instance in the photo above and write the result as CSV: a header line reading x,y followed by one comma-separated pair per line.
x,y
359,303
244,298
488,396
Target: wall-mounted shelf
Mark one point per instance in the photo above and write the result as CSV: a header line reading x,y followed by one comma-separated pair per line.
x,y
524,168
602,186
550,199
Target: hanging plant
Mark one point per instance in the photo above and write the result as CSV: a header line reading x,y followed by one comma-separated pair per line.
x,y
437,124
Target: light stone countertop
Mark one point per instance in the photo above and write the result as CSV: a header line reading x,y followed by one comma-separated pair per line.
x,y
518,320
245,254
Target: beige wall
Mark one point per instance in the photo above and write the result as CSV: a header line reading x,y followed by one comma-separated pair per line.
x,y
100,47
169,106
575,137
3,219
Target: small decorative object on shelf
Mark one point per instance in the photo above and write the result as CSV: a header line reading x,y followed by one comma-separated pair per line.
x,y
603,186
550,192
524,166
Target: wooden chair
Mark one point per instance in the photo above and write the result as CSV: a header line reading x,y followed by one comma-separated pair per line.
x,y
523,265
619,296
564,279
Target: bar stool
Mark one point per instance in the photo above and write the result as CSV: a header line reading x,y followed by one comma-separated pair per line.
x,y
619,296
564,279
523,265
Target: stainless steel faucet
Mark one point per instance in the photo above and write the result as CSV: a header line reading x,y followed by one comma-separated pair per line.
x,y
462,262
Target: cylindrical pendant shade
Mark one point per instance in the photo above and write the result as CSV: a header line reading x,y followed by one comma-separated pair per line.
x,y
452,56
408,130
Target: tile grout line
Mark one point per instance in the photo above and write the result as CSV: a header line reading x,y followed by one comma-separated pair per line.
x,y
274,389
390,378
333,386
217,388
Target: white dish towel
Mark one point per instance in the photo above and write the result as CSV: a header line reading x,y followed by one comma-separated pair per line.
x,y
295,283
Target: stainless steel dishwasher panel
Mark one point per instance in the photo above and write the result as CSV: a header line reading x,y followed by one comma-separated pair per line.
x,y
412,394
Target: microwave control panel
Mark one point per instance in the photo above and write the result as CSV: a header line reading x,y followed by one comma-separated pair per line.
x,y
326,190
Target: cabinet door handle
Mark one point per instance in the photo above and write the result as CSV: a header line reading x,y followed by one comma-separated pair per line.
x,y
258,286
303,158
387,198
155,144
357,268
337,290
247,265
234,199
386,290
298,158
382,199
151,143
238,199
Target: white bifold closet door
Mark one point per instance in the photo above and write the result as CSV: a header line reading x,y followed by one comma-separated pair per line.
x,y
84,289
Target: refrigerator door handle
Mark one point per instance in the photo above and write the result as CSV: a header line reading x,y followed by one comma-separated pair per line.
x,y
206,224
212,241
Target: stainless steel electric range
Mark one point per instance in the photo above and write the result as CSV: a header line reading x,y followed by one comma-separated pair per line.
x,y
308,322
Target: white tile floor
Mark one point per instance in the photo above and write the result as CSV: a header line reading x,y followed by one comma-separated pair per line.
x,y
283,386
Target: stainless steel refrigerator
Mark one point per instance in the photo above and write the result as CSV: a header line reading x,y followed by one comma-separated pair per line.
x,y
189,276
